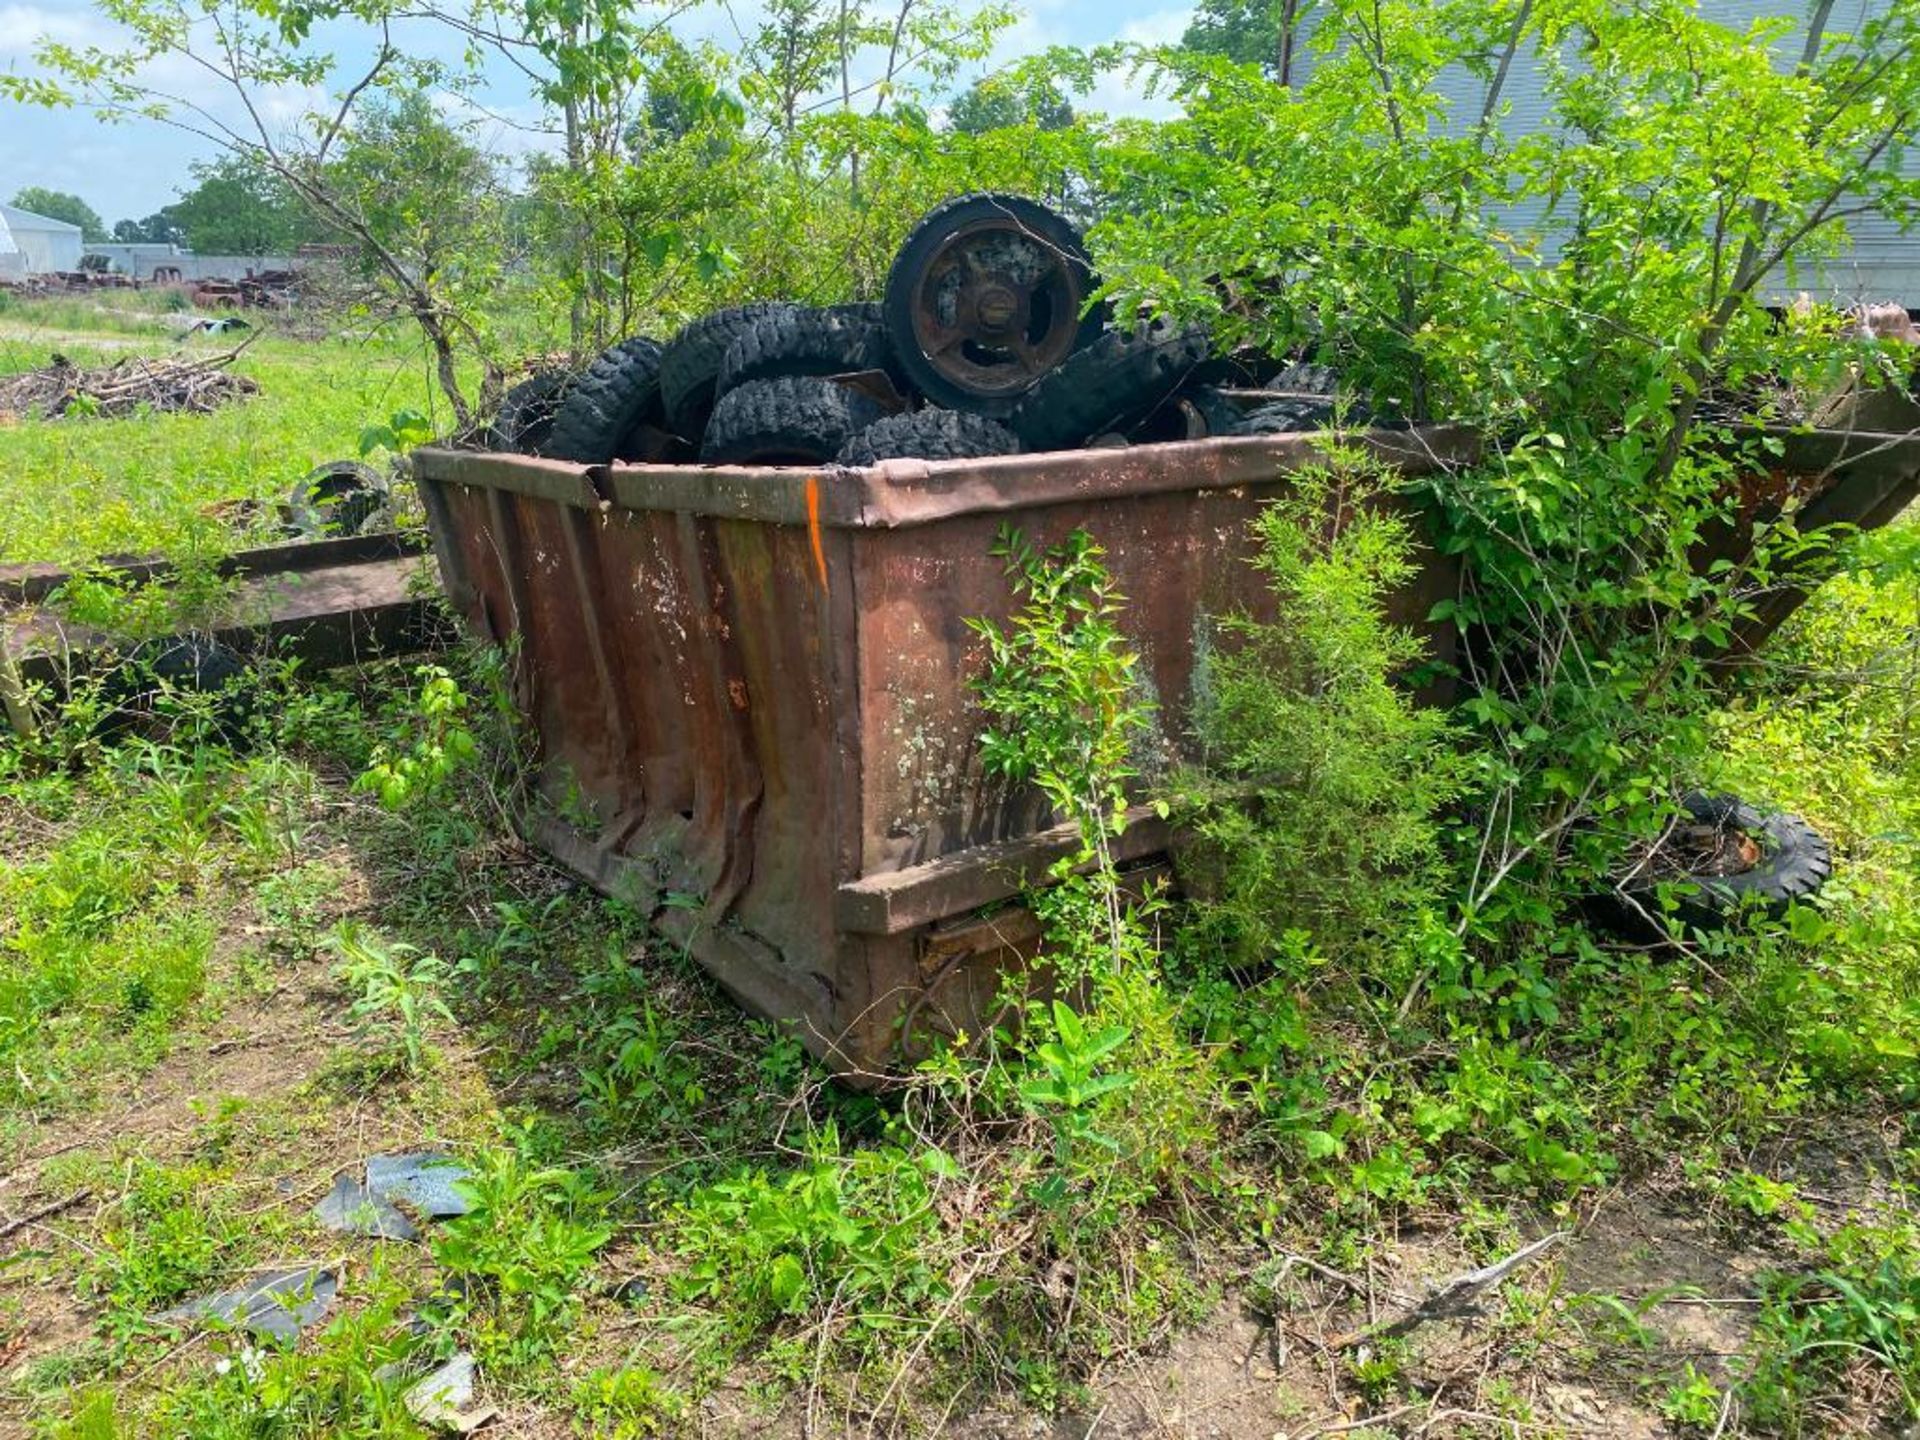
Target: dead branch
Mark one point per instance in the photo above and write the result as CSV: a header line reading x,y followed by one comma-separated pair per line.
x,y
51,1208
1457,1297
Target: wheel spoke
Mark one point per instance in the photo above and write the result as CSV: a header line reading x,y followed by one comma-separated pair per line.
x,y
935,338
1028,354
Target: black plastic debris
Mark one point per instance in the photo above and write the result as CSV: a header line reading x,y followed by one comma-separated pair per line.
x,y
280,1303
423,1179
630,1291
351,1209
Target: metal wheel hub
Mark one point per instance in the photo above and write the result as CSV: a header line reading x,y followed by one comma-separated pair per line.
x,y
996,308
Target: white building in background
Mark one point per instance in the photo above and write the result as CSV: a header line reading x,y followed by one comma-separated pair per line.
x,y
1880,262
33,244
12,264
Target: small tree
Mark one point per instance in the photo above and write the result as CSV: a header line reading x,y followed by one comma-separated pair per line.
x,y
1577,292
237,208
1266,33
159,228
998,102
247,49
59,205
421,192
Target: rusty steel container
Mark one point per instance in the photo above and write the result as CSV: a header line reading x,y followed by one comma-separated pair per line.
x,y
751,693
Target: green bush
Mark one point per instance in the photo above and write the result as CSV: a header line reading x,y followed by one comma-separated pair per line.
x,y
844,1237
518,1255
1319,811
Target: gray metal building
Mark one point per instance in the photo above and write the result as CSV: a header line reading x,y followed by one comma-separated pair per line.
x,y
1880,263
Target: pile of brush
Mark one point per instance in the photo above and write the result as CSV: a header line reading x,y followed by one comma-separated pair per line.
x,y
126,387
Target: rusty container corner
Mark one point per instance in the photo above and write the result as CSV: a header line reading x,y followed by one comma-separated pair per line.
x,y
750,688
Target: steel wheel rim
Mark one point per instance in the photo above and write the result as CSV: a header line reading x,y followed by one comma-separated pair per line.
x,y
997,306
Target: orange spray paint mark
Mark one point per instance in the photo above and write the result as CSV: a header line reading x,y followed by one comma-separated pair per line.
x,y
813,527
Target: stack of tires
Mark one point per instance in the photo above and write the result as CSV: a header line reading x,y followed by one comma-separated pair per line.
x,y
988,342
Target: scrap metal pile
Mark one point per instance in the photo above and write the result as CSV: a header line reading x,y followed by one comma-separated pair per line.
x,y
986,343
125,387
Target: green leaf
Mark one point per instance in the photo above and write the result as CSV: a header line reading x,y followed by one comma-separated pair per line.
x,y
786,1282
1320,1144
1806,924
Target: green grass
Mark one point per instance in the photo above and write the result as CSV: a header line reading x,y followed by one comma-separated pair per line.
x,y
673,1201
114,312
108,928
77,488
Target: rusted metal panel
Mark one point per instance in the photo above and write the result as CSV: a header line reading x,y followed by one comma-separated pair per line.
x,y
1840,478
751,687
895,901
326,602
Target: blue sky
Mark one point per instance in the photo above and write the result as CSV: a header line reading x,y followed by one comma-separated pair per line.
x,y
131,170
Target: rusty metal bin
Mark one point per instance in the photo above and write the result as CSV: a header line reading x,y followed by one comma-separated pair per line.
x,y
750,687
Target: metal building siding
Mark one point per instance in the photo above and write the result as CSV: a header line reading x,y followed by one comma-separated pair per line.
x,y
1880,263
42,243
13,265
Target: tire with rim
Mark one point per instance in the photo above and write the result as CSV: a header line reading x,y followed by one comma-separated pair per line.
x,y
690,365
836,340
524,422
615,395
789,420
1196,412
1794,862
930,435
338,498
1109,387
989,293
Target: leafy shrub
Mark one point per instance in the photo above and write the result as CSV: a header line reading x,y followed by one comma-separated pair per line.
x,y
841,1238
417,764
396,988
1319,809
518,1255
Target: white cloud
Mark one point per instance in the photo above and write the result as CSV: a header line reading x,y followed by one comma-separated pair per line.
x,y
23,26
1047,23
134,169
508,129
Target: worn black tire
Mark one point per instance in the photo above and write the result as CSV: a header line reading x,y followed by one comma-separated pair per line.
x,y
1291,416
617,393
690,365
788,420
921,248
930,435
1194,412
135,691
524,423
1111,386
1305,377
836,340
1219,414
1242,369
1797,861
1302,384
335,499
